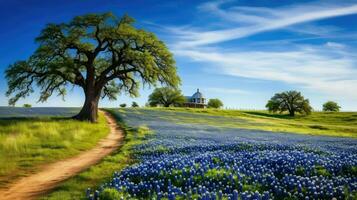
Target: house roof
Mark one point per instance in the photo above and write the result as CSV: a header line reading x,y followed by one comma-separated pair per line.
x,y
197,95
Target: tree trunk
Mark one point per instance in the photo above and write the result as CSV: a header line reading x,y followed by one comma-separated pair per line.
x,y
89,111
292,113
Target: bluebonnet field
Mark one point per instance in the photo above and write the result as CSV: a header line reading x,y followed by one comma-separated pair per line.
x,y
186,161
19,112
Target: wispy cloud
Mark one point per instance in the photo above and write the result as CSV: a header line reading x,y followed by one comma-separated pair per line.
x,y
313,67
335,45
253,20
325,67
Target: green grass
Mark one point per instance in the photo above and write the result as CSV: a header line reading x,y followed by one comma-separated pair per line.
x,y
26,144
321,170
341,124
75,187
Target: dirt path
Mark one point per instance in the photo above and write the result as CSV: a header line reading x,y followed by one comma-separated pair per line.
x,y
53,174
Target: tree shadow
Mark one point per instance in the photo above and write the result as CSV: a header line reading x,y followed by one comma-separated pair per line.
x,y
273,115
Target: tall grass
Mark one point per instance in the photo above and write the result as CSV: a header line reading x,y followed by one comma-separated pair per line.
x,y
27,143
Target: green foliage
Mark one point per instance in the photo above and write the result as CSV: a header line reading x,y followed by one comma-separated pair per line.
x,y
216,173
110,194
300,171
134,104
350,170
321,170
216,160
331,106
291,101
123,105
26,143
166,97
26,105
215,103
100,53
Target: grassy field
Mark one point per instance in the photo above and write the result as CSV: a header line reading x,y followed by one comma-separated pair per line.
x,y
75,187
27,143
48,139
341,124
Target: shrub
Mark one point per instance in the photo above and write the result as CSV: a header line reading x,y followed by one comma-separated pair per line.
x,y
134,104
26,105
215,103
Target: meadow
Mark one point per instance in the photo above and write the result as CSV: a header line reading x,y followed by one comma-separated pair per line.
x,y
341,124
30,137
179,153
194,160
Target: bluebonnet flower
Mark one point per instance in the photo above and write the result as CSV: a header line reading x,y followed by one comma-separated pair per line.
x,y
189,161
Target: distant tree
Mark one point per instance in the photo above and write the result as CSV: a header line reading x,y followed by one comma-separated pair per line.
x,y
123,105
26,105
166,97
215,103
100,53
331,106
134,104
291,101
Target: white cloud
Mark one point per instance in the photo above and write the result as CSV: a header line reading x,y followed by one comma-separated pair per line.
x,y
335,45
253,20
308,66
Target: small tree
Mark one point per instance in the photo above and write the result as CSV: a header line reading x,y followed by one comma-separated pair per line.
x,y
291,101
215,103
100,53
166,97
26,105
331,106
134,104
123,105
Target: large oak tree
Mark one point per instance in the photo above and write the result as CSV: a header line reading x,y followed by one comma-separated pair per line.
x,y
291,101
100,53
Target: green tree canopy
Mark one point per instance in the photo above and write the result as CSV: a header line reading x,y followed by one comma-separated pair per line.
x,y
134,104
215,103
331,106
123,105
291,101
100,53
26,105
166,97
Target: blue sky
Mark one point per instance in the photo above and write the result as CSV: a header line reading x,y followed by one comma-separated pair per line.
x,y
240,51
